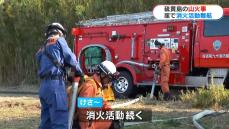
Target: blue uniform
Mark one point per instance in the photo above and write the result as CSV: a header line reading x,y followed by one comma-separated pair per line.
x,y
52,93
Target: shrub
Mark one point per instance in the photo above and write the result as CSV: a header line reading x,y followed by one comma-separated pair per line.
x,y
216,96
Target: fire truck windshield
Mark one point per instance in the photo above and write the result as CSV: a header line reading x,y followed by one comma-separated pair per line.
x,y
217,27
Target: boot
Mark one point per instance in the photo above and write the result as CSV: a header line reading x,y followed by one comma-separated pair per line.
x,y
168,96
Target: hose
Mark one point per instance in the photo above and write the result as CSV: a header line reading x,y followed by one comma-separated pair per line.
x,y
133,63
201,115
73,105
125,104
194,118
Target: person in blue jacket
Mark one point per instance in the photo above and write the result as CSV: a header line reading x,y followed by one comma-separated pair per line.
x,y
52,59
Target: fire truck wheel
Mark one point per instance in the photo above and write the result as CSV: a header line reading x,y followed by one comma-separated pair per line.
x,y
124,87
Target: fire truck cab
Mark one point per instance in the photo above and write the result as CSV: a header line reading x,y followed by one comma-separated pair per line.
x,y
199,49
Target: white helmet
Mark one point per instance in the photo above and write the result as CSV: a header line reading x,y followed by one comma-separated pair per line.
x,y
55,27
108,68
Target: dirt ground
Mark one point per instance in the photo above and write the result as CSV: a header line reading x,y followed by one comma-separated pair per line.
x,y
19,112
22,112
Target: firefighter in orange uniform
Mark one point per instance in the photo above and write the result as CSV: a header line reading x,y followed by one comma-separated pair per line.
x,y
164,65
92,87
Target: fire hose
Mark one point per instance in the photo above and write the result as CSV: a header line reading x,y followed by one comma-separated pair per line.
x,y
125,104
194,118
72,104
156,71
155,77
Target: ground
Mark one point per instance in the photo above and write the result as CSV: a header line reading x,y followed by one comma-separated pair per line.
x,y
19,112
22,112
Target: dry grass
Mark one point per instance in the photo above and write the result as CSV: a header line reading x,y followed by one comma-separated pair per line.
x,y
20,88
209,122
22,112
19,112
216,122
165,110
216,97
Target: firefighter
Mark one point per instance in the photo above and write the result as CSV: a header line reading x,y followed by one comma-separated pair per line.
x,y
164,66
52,59
92,87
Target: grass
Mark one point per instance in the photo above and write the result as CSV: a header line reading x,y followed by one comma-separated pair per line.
x,y
216,97
19,112
23,112
165,110
172,124
20,88
209,122
219,122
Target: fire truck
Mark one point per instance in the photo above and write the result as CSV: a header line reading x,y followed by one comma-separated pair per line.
x,y
199,49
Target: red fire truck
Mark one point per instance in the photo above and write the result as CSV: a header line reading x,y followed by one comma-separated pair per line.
x,y
200,49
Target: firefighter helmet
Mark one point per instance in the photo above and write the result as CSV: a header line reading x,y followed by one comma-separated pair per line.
x,y
107,68
55,28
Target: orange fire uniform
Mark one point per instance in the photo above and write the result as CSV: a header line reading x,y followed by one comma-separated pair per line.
x,y
91,88
165,68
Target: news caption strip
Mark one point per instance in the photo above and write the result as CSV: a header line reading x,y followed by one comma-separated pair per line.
x,y
113,115
96,102
172,12
117,114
